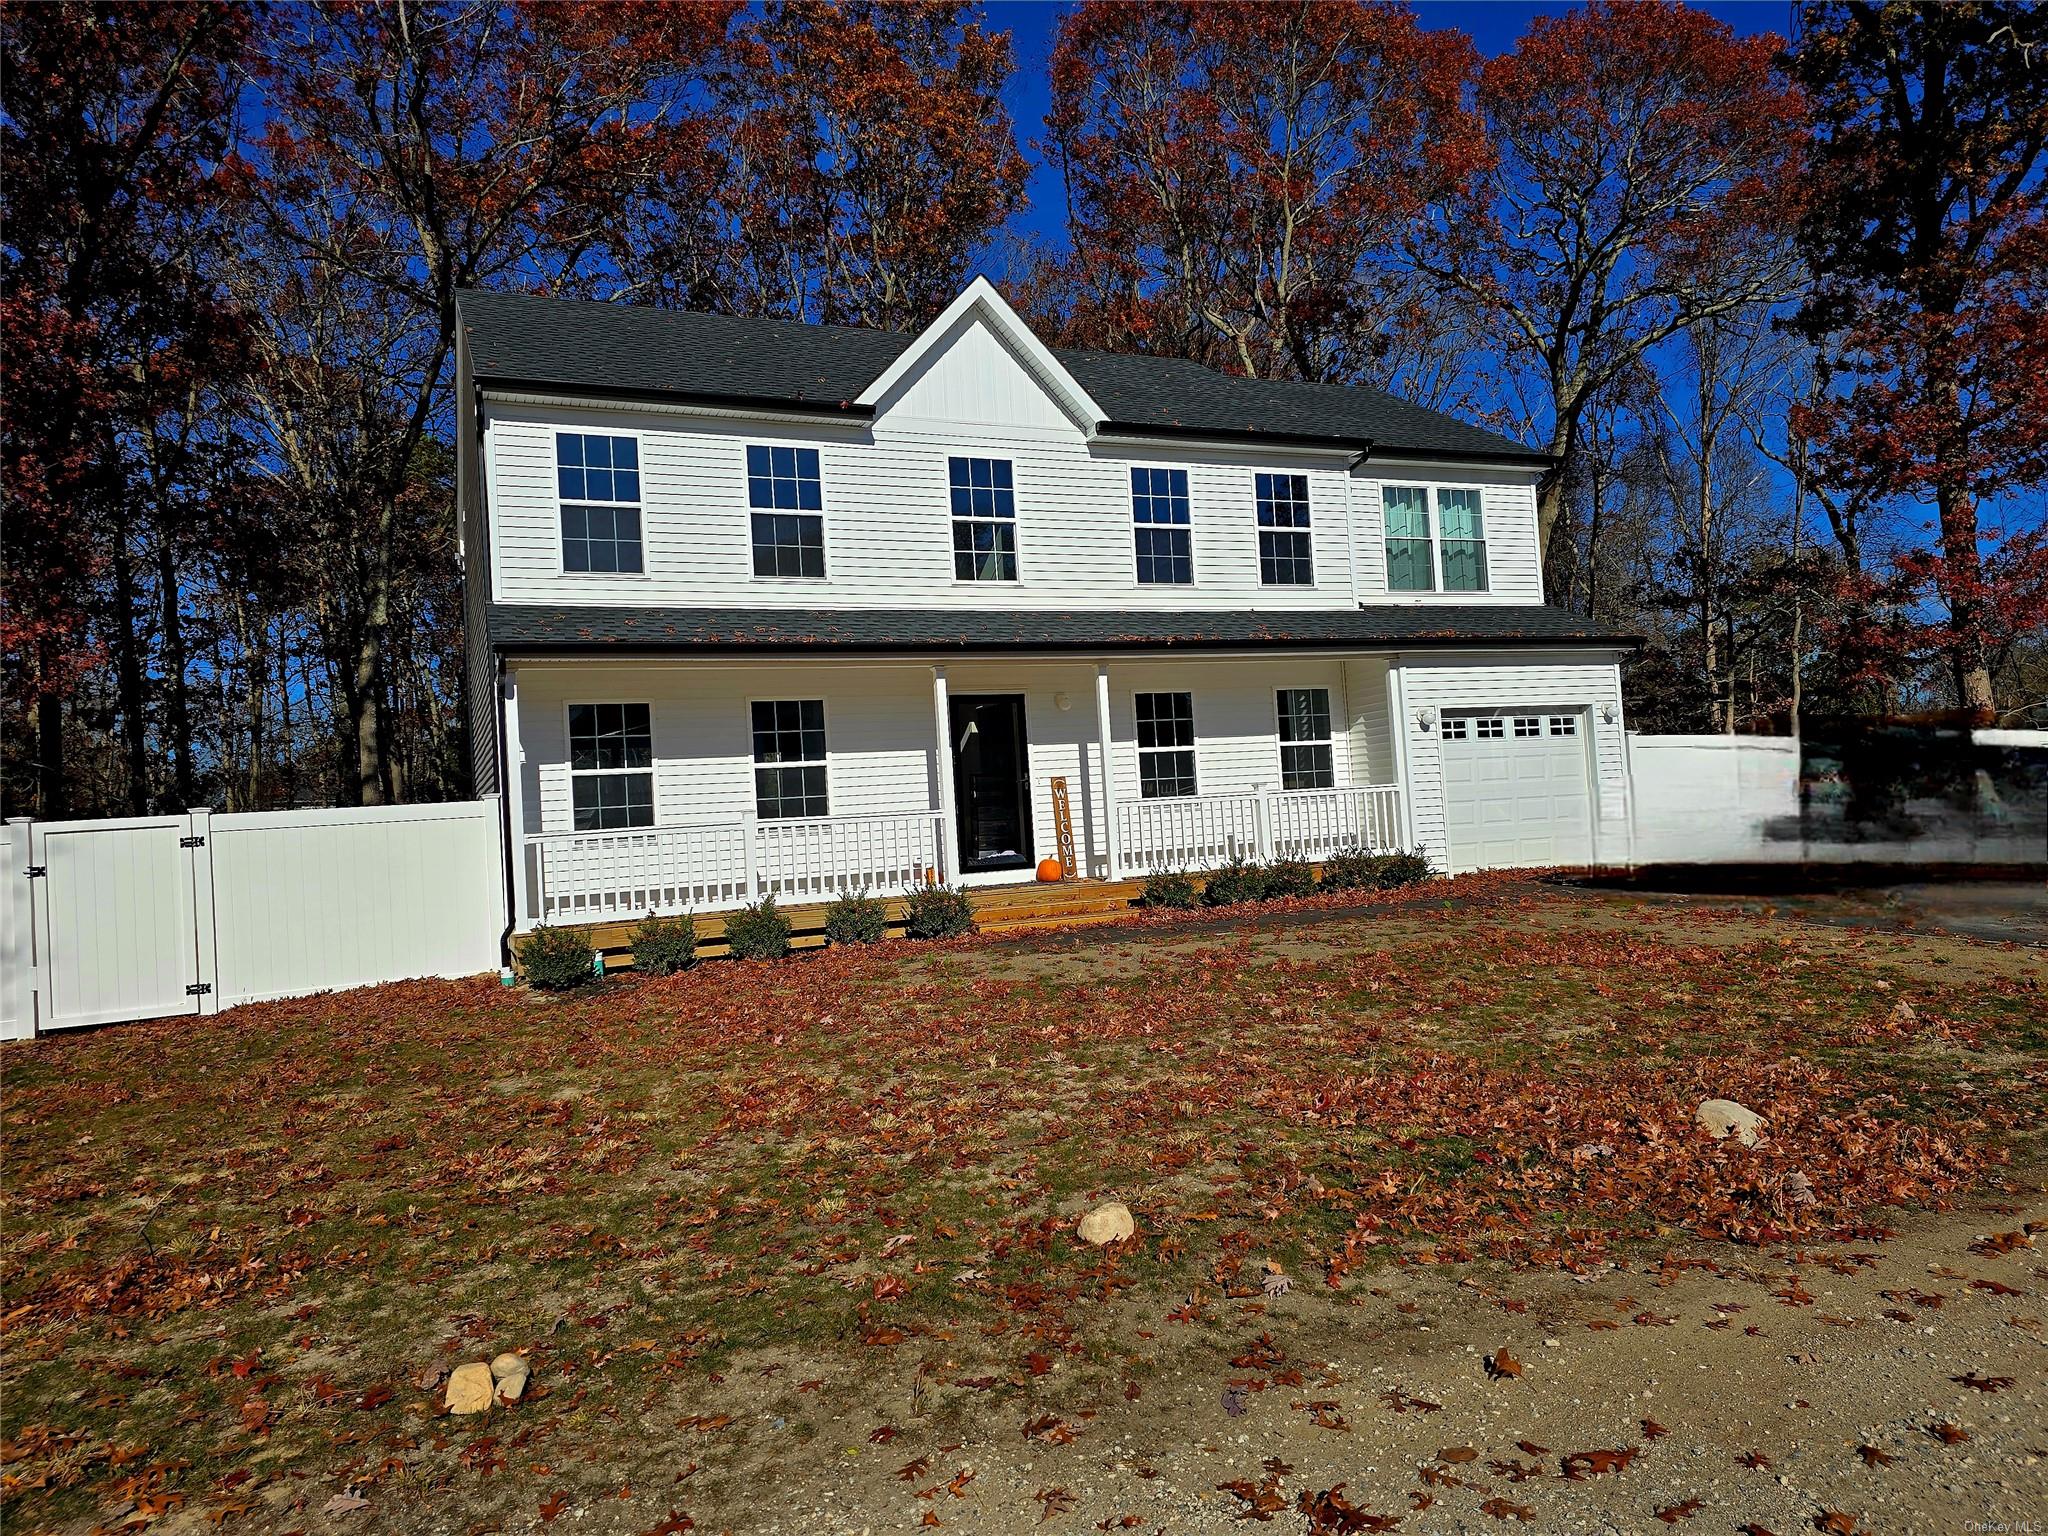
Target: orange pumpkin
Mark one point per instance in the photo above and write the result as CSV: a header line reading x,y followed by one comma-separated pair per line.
x,y
1049,870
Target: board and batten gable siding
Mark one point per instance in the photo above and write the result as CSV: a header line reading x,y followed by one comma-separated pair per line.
x,y
1539,683
888,525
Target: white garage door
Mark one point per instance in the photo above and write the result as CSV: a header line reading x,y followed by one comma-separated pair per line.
x,y
1516,790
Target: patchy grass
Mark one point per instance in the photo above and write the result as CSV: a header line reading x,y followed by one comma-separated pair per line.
x,y
240,1253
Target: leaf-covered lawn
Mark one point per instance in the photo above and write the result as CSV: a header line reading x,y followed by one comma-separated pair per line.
x,y
240,1253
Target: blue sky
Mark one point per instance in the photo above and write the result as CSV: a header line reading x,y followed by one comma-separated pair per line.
x,y
1493,24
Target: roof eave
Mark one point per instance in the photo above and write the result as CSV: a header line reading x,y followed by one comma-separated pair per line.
x,y
838,410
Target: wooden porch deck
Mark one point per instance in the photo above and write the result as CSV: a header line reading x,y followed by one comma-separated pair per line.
x,y
997,909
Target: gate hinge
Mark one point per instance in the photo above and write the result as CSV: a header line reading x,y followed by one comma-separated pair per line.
x,y
191,842
35,872
199,989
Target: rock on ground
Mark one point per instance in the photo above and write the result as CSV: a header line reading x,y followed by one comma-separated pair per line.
x,y
1109,1223
1722,1118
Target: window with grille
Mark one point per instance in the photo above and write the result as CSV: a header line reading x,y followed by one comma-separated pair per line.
x,y
1306,758
1528,725
1159,520
1166,745
788,502
984,520
789,758
1564,725
1285,558
1489,728
598,480
611,766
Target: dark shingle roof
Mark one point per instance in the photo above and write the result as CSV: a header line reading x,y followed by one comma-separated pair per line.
x,y
629,350
545,626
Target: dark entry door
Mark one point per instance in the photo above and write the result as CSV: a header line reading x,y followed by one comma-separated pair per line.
x,y
991,793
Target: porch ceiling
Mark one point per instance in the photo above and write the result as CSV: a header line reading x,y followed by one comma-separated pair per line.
x,y
547,627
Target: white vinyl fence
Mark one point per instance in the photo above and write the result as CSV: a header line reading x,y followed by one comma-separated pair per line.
x,y
148,916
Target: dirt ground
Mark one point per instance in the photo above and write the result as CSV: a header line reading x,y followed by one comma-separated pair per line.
x,y
1427,1239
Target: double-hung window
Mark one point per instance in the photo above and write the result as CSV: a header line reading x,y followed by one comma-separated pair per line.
x,y
598,478
1411,563
1306,758
1285,559
1166,745
788,504
1159,520
1462,527
1457,545
789,758
611,766
984,520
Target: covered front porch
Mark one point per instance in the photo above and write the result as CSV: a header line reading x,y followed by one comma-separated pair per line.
x,y
806,781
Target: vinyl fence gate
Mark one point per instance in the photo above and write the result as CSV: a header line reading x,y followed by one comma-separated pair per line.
x,y
146,917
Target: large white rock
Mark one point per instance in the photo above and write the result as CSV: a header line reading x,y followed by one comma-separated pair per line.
x,y
470,1388
1722,1118
1109,1223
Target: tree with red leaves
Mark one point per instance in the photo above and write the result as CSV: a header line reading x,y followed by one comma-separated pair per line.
x,y
1239,174
1646,180
414,150
1928,236
116,117
859,156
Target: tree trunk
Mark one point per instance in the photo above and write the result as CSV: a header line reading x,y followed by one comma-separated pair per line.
x,y
178,721
128,677
50,798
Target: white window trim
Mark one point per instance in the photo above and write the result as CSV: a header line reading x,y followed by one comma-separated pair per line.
x,y
1432,517
1015,520
562,570
1194,576
1315,556
747,497
1330,741
1193,748
652,770
754,763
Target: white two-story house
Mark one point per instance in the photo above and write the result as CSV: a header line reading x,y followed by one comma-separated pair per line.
x,y
757,606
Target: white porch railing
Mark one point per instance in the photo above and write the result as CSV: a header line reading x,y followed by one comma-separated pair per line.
x,y
1203,831
599,876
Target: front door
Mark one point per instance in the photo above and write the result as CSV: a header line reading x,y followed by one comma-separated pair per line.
x,y
991,794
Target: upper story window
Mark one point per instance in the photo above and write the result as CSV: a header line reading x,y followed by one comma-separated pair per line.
x,y
1166,745
788,500
789,758
1306,758
598,478
1159,520
1414,538
611,766
1284,556
984,520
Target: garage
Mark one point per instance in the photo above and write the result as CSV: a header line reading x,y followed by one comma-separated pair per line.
x,y
1517,791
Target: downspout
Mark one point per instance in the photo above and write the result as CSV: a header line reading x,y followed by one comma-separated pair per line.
x,y
506,850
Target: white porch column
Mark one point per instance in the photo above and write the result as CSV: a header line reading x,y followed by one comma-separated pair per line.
x,y
1398,726
515,800
942,721
1103,741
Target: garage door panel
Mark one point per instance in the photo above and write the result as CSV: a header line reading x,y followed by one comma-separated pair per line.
x,y
1522,797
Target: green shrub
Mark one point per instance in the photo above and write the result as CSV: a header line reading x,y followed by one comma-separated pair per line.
x,y
556,959
856,918
1168,888
759,932
1235,882
1289,877
1355,869
1401,869
664,945
937,912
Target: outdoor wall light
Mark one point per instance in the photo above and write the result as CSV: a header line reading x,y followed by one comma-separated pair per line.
x,y
1608,714
1425,718
1063,701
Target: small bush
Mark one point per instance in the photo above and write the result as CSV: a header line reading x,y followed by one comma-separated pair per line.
x,y
759,932
1235,882
937,912
556,959
1401,869
1289,877
1168,888
1354,869
856,918
664,945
